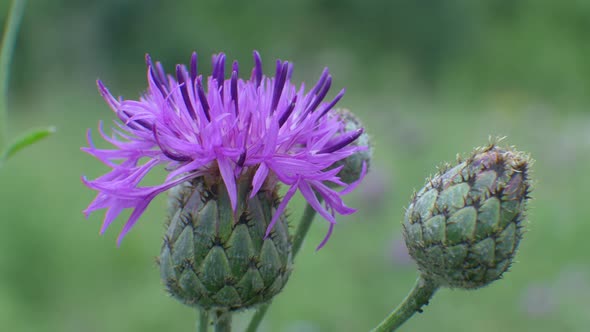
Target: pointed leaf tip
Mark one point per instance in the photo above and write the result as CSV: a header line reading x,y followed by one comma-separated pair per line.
x,y
26,140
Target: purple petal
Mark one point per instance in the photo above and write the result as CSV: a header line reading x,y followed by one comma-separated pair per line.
x,y
230,182
326,238
280,209
312,199
257,71
258,179
194,62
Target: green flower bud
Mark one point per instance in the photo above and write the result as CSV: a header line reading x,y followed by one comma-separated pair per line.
x,y
215,258
463,228
353,164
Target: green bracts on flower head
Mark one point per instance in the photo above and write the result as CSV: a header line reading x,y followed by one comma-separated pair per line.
x,y
213,258
463,228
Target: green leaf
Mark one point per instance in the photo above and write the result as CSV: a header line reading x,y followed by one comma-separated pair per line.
x,y
25,140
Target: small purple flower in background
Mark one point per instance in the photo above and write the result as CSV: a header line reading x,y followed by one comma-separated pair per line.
x,y
538,300
398,253
223,128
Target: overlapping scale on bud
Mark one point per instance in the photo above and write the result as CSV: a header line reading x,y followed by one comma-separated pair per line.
x,y
358,163
214,258
463,228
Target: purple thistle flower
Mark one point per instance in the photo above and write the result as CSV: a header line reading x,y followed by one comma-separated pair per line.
x,y
265,125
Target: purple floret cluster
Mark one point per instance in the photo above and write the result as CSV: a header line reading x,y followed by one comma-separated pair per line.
x,y
224,127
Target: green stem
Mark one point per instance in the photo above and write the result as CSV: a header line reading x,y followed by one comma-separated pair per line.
x,y
6,51
223,321
302,229
257,318
419,296
203,320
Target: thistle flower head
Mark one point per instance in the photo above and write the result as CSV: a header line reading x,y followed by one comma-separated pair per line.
x,y
223,128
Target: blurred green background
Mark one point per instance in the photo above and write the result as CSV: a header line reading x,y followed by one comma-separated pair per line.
x,y
429,78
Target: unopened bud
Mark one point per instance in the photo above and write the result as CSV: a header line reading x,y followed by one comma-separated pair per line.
x,y
463,228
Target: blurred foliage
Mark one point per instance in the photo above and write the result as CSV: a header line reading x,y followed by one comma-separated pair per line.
x,y
429,79
457,47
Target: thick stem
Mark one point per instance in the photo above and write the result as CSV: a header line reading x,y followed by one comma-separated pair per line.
x,y
6,50
203,324
302,229
419,296
223,321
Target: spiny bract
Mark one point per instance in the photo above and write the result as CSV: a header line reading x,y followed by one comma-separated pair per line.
x,y
464,226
